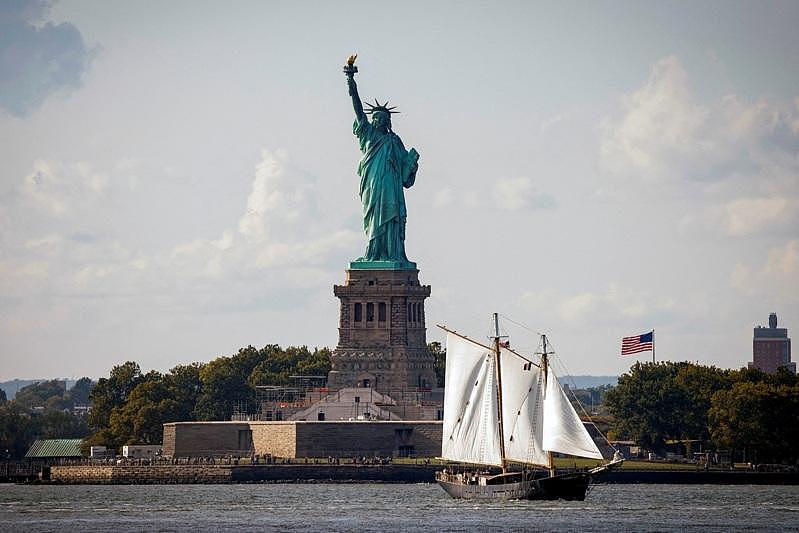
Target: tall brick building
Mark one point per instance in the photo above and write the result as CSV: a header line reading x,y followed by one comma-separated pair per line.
x,y
771,348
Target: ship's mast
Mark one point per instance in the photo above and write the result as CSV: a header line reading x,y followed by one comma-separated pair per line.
x,y
545,368
497,348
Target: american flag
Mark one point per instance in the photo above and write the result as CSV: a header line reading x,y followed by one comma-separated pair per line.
x,y
637,343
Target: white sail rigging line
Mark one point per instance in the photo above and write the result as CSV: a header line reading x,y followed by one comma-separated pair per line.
x,y
520,356
564,432
522,410
585,413
464,337
470,427
565,372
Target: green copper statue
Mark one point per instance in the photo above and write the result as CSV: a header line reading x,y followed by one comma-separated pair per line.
x,y
386,167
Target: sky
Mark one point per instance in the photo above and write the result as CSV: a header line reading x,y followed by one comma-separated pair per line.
x,y
178,179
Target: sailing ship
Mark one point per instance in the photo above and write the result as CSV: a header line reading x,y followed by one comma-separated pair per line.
x,y
504,409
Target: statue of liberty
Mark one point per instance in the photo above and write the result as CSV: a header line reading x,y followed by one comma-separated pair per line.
x,y
385,168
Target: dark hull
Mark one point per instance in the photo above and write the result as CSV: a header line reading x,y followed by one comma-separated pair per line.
x,y
518,486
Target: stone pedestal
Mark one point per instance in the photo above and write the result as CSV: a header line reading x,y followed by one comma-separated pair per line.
x,y
382,342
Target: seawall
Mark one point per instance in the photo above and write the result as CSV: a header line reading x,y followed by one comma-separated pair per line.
x,y
213,474
698,477
393,473
140,475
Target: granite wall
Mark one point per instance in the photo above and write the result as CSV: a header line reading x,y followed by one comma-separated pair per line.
x,y
303,439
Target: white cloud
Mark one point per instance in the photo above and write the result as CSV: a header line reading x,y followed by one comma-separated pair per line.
x,y
795,121
663,133
616,304
443,198
472,200
225,242
784,260
59,188
40,187
630,303
729,165
577,307
745,216
739,277
774,279
519,193
48,243
20,274
280,230
657,121
278,196
305,252
549,122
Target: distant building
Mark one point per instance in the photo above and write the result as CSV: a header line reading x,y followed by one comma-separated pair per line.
x,y
771,348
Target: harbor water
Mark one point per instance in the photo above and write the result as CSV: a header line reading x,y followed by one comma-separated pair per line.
x,y
386,507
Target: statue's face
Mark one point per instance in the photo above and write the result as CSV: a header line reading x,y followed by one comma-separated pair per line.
x,y
381,121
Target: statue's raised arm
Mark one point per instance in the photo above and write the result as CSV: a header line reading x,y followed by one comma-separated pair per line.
x,y
350,69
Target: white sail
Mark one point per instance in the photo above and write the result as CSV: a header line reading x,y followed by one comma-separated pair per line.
x,y
522,410
564,432
470,428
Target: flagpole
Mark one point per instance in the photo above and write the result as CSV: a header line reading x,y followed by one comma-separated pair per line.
x,y
653,346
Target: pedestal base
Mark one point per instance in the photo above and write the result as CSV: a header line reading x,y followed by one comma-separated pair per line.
x,y
382,337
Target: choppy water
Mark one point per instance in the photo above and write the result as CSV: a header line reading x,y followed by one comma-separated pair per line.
x,y
310,508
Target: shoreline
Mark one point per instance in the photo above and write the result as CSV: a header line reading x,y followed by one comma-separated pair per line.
x,y
333,474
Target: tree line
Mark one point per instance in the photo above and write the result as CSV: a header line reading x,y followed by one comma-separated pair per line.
x,y
743,410
42,410
130,407
747,412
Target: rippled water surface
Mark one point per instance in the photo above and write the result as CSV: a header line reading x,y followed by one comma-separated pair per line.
x,y
390,508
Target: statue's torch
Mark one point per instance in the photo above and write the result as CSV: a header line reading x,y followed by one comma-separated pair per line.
x,y
350,69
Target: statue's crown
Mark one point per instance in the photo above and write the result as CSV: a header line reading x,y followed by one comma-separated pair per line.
x,y
380,107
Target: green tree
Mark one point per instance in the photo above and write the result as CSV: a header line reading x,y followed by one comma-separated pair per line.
x,y
440,361
3,397
49,394
112,392
275,365
699,383
80,391
140,420
225,385
759,419
653,403
184,385
101,437
16,430
131,407
785,377
60,425
316,363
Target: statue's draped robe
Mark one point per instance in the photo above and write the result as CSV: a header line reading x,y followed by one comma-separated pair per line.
x,y
386,167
